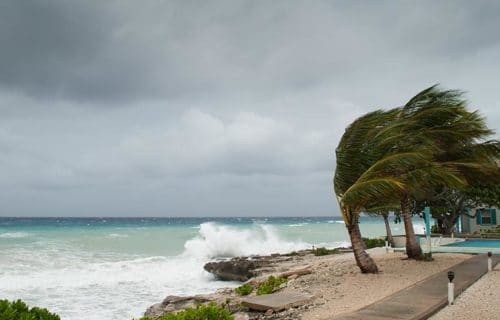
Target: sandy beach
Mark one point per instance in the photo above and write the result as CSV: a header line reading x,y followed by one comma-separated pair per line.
x,y
337,284
341,288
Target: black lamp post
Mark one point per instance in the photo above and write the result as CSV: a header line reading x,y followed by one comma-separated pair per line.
x,y
490,262
451,287
451,276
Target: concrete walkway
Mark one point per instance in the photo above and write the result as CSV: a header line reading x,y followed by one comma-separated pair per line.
x,y
426,297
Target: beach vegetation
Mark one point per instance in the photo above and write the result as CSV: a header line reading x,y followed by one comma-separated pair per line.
x,y
434,228
373,242
322,251
244,290
209,311
270,285
398,156
427,256
19,310
356,153
384,213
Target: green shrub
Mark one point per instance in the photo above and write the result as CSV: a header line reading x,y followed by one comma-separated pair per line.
x,y
492,230
271,284
209,311
373,243
264,288
322,251
434,228
427,256
18,310
244,290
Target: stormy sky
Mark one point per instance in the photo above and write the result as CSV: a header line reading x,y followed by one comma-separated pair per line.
x,y
215,108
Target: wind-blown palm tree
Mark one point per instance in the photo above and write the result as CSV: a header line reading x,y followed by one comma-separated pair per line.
x,y
437,122
388,156
356,153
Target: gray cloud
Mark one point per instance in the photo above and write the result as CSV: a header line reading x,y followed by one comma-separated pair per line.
x,y
216,108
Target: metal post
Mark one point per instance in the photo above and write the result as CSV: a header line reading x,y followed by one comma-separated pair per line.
x,y
490,263
451,287
427,213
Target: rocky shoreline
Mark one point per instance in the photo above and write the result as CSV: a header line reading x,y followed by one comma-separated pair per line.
x,y
253,271
333,281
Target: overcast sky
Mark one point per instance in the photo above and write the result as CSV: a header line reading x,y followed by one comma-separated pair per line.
x,y
215,108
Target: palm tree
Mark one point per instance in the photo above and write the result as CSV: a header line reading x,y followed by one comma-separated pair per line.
x,y
437,123
356,153
389,156
371,172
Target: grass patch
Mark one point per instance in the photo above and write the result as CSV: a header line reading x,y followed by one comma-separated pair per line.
x,y
322,251
209,311
270,285
373,243
18,310
244,290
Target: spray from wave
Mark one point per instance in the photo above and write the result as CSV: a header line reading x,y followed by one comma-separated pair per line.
x,y
220,241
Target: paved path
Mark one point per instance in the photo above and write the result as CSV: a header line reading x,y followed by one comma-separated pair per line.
x,y
426,297
276,301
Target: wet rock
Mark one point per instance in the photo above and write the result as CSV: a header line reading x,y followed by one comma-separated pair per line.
x,y
236,269
244,268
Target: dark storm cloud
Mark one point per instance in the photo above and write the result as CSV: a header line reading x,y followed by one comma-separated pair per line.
x,y
217,108
128,50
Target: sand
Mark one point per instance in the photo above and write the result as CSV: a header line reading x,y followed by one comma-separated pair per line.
x,y
340,287
479,301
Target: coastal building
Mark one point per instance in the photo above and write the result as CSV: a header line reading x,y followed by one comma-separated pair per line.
x,y
478,220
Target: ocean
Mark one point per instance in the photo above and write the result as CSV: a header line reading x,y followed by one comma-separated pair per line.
x,y
114,268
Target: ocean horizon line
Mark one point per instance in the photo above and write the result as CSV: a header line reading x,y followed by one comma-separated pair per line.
x,y
161,217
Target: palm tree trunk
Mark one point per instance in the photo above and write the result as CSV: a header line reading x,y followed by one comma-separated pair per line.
x,y
363,260
385,215
413,249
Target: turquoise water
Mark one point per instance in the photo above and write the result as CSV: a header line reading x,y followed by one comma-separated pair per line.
x,y
114,268
477,243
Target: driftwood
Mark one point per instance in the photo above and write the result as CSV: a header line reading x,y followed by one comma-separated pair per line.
x,y
298,272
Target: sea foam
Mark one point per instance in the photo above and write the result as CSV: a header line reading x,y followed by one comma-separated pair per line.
x,y
218,241
13,235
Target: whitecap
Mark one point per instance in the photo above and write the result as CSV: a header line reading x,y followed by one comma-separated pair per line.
x,y
117,235
298,224
336,221
14,235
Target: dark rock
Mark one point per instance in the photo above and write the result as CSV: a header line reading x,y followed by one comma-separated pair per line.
x,y
236,269
245,268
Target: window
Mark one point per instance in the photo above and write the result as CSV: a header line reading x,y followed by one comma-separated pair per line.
x,y
485,216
